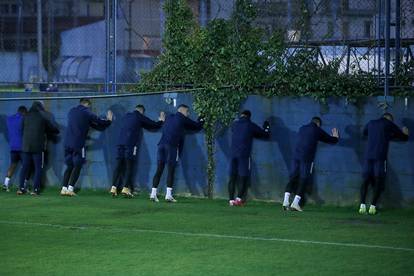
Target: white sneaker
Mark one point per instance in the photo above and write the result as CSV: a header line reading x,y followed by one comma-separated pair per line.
x,y
113,191
231,202
6,188
64,191
295,207
372,210
126,192
362,209
154,198
285,207
170,199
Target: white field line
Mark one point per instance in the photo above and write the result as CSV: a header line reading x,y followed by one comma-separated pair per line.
x,y
207,235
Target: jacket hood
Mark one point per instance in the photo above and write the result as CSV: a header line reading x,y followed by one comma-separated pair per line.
x,y
37,106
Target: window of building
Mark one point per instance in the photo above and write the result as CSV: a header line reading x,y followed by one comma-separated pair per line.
x,y
13,9
4,9
345,30
367,28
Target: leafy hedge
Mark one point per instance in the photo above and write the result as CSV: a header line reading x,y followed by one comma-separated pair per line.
x,y
231,58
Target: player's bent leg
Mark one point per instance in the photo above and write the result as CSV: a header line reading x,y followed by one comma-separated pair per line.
x,y
170,179
156,181
232,188
244,187
379,188
127,189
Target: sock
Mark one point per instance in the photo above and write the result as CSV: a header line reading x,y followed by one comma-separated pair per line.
x,y
169,192
362,206
7,181
70,188
372,207
286,199
153,192
296,200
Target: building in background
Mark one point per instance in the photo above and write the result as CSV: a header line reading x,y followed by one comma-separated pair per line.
x,y
74,32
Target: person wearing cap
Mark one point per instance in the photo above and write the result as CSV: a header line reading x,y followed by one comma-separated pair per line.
x,y
37,124
243,133
379,133
15,133
302,166
80,119
128,144
170,147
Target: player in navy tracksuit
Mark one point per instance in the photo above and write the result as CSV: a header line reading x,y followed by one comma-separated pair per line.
x,y
15,133
80,119
170,146
380,132
302,166
243,132
37,124
128,143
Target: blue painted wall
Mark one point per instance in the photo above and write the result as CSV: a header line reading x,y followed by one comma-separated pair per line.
x,y
337,168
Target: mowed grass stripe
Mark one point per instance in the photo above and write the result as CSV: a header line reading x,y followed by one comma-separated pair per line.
x,y
207,235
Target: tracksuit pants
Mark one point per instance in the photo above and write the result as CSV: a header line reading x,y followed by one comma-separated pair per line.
x,y
169,155
239,177
374,172
37,159
124,168
300,174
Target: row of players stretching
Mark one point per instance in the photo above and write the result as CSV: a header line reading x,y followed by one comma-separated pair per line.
x,y
28,132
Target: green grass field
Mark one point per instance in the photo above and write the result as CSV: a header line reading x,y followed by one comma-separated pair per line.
x,y
94,234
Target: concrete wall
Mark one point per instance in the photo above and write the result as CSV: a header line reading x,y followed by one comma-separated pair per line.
x,y
337,168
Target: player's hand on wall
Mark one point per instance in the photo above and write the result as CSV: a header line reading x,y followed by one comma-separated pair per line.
x,y
335,132
266,125
109,115
162,116
405,130
201,119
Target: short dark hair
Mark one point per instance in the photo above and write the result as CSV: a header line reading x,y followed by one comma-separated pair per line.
x,y
388,115
246,113
22,109
85,101
183,105
317,120
140,106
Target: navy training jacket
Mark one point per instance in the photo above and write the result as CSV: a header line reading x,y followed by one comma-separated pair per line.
x,y
132,125
380,132
80,118
309,136
243,132
174,128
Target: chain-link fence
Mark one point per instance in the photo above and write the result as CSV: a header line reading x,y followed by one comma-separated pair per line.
x,y
94,43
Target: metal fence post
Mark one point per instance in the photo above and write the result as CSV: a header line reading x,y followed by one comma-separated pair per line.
x,y
397,36
379,32
107,45
39,41
114,38
387,47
